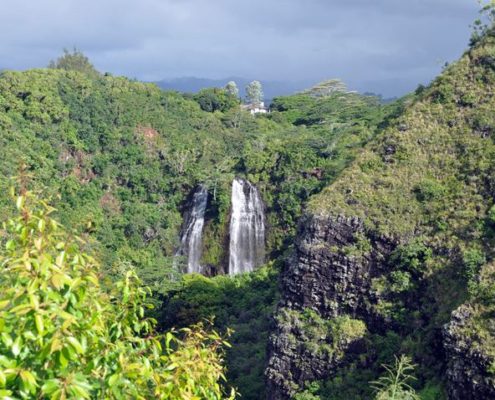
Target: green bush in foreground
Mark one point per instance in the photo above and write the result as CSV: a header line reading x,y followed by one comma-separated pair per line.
x,y
64,336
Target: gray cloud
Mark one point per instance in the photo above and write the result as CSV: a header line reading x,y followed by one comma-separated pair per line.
x,y
388,46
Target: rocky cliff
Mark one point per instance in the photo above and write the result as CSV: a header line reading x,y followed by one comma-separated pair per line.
x,y
326,304
468,372
470,343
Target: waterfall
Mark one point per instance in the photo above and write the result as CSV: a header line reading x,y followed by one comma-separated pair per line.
x,y
192,230
247,228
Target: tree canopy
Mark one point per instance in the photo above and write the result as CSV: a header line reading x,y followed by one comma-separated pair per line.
x,y
216,99
74,60
254,92
232,89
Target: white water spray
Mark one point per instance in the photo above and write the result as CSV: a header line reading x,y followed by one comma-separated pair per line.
x,y
247,228
191,242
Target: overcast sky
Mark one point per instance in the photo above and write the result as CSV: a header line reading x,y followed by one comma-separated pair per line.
x,y
385,46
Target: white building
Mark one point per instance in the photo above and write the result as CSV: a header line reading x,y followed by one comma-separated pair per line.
x,y
258,108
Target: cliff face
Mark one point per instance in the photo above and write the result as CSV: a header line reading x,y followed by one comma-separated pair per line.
x,y
469,340
469,364
320,278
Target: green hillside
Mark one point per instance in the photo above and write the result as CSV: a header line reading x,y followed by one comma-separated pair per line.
x,y
426,183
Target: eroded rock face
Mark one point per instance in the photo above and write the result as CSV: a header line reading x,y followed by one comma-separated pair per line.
x,y
327,273
330,273
468,364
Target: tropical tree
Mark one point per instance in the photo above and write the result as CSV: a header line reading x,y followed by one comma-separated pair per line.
x,y
216,99
232,89
74,61
254,92
65,334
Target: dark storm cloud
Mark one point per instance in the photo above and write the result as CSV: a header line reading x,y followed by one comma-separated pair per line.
x,y
387,46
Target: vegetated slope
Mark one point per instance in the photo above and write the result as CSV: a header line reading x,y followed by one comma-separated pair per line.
x,y
124,156
120,155
397,243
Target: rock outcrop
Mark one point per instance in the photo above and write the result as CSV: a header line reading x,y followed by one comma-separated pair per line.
x,y
329,273
469,366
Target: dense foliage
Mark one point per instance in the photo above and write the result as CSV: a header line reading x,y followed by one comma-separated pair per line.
x,y
244,304
216,99
65,335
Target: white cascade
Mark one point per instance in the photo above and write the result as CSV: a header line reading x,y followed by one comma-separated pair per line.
x,y
247,228
191,241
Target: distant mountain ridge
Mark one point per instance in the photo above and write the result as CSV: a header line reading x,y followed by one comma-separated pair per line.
x,y
271,89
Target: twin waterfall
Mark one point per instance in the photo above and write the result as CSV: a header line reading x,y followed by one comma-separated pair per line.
x,y
247,229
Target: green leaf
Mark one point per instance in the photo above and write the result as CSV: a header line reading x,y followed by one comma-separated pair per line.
x,y
113,379
6,339
5,395
40,327
62,359
16,346
20,202
28,380
41,225
50,386
75,344
3,379
79,391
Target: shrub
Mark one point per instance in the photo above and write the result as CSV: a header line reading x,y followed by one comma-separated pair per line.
x,y
400,281
394,385
412,257
472,259
64,335
429,190
310,393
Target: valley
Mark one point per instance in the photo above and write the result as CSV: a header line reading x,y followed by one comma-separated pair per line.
x,y
159,244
